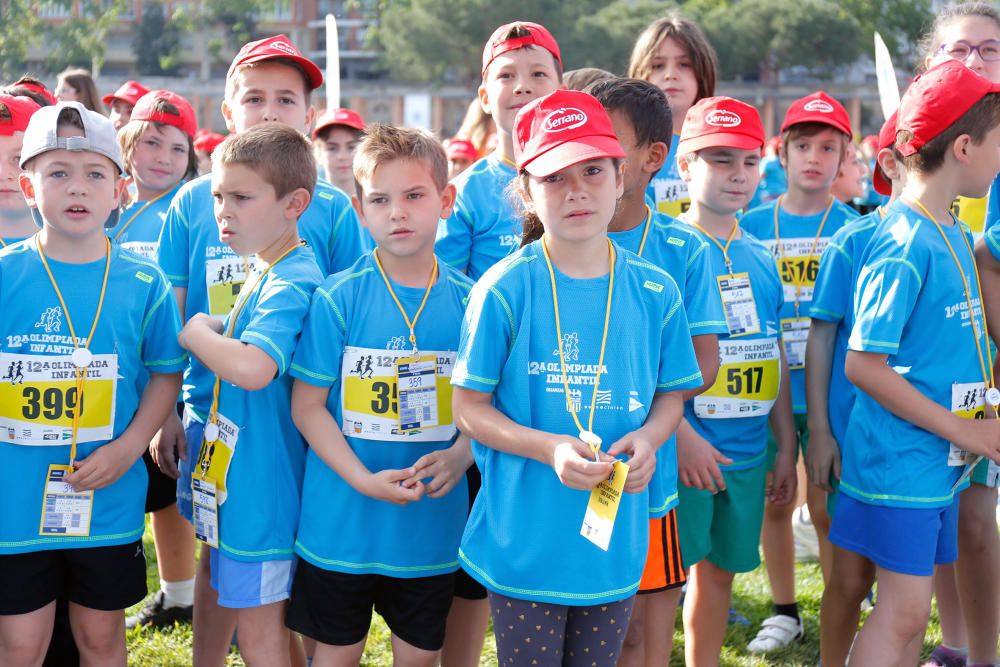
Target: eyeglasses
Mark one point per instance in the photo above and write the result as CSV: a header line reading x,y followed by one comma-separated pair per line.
x,y
988,50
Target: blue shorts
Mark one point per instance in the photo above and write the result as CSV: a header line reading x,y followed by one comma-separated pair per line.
x,y
243,585
907,540
193,430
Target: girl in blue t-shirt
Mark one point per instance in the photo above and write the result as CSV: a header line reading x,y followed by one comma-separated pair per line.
x,y
542,387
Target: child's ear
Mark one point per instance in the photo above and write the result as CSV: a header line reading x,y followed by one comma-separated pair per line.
x,y
227,115
620,180
656,157
447,201
27,188
484,100
960,149
298,202
684,168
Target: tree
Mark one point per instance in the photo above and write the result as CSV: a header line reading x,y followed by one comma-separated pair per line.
x,y
19,28
900,22
157,42
82,39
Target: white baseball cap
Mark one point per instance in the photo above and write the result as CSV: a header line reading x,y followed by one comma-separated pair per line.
x,y
99,135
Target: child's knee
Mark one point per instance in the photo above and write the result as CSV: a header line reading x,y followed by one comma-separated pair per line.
x,y
22,650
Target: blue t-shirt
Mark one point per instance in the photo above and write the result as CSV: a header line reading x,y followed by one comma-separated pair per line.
x,y
484,227
667,189
676,249
350,344
732,414
833,301
911,306
136,335
798,274
141,223
993,205
258,519
194,258
523,535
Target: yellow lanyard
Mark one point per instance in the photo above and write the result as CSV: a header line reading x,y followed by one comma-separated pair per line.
x,y
143,208
507,161
237,309
645,232
723,248
812,250
987,375
81,356
559,345
430,284
3,243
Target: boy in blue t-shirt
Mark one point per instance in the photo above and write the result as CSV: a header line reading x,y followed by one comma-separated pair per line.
x,y
372,397
248,476
268,81
796,227
850,576
642,120
15,216
722,506
88,347
921,380
521,62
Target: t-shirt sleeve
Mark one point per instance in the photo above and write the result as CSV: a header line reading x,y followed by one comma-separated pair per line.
x,y
701,301
832,293
454,236
993,210
174,250
885,296
487,331
348,242
678,367
318,357
992,238
161,353
276,321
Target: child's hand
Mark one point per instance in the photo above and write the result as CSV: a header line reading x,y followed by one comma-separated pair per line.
x,y
574,464
698,463
394,486
104,466
169,446
198,322
977,436
641,463
822,458
783,482
445,467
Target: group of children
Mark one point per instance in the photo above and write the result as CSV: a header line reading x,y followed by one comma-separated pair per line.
x,y
551,390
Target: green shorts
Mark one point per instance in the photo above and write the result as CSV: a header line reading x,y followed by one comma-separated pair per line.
x,y
801,437
987,474
725,527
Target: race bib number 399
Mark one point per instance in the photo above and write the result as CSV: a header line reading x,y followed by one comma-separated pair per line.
x,y
372,402
39,399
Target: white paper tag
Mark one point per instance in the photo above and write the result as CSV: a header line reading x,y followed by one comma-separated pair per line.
x,y
205,512
65,511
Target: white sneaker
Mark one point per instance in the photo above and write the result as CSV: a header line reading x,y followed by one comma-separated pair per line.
x,y
806,542
776,632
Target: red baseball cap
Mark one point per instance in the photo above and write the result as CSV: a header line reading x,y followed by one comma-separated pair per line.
x,y
538,35
270,48
936,99
723,122
20,110
206,141
560,130
130,92
461,149
818,108
348,117
145,109
886,138
38,88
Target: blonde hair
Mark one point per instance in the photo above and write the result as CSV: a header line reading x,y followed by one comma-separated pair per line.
x,y
280,154
383,143
477,126
128,137
687,33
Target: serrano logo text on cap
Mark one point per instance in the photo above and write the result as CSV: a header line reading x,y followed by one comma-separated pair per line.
x,y
723,118
565,118
822,106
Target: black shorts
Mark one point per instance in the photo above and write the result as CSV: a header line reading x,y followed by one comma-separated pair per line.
x,y
466,587
102,578
336,608
162,490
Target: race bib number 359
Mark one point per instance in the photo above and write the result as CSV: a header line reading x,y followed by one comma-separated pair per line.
x,y
39,399
372,402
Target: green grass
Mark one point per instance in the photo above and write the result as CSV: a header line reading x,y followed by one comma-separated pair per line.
x,y
751,597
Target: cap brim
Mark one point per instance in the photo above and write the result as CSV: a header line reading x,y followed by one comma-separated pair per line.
x,y
718,140
320,128
573,152
107,99
880,183
818,118
313,72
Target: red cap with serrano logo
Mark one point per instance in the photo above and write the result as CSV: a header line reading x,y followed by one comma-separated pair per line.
x,y
721,122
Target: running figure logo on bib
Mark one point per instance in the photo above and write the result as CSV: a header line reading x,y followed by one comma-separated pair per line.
x,y
39,399
224,278
748,381
671,196
968,401
397,396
